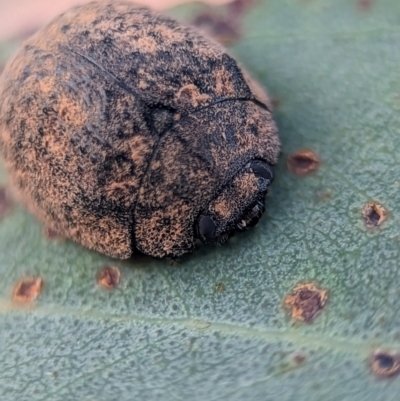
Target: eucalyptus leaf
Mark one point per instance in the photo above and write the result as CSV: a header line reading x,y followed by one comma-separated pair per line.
x,y
213,327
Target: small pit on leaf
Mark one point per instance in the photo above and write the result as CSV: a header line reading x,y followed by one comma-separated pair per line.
x,y
306,301
5,202
374,214
303,162
220,287
385,363
109,277
27,289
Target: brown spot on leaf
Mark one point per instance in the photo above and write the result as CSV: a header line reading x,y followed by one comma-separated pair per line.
x,y
364,5
306,301
224,26
218,27
5,202
374,214
276,102
27,289
237,8
51,234
303,162
299,359
385,363
220,287
109,277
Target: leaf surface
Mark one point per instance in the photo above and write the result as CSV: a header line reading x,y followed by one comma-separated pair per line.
x,y
213,327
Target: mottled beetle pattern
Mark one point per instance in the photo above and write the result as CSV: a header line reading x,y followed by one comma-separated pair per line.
x,y
121,128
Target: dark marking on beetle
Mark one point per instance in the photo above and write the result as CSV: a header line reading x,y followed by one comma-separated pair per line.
x,y
109,277
306,301
27,289
374,214
65,28
220,287
5,202
230,136
364,5
162,119
108,40
303,162
385,363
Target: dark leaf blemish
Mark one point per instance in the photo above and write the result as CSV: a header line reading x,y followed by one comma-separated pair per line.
x,y
51,234
222,29
220,287
364,5
303,162
109,277
27,289
299,359
5,202
306,301
374,214
385,363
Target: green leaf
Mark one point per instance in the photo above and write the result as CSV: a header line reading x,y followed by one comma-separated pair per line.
x,y
213,327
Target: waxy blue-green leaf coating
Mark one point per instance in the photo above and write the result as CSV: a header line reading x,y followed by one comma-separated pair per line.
x,y
166,332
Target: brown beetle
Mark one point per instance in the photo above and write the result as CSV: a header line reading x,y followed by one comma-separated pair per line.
x,y
122,128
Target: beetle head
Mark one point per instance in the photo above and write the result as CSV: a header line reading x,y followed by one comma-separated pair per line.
x,y
239,206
